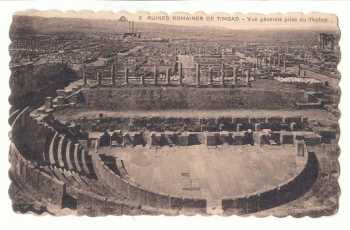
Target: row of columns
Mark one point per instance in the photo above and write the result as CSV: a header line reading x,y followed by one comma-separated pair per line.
x,y
272,60
245,73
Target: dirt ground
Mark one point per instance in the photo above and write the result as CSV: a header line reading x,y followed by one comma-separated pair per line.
x,y
212,173
76,113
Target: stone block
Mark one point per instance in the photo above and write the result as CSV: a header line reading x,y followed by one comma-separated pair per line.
x,y
226,138
312,139
60,92
257,127
238,139
211,139
276,119
300,148
327,135
182,139
286,138
296,119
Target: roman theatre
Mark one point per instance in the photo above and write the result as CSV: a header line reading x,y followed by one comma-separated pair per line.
x,y
125,145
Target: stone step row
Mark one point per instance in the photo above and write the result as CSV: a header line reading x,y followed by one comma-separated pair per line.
x,y
207,138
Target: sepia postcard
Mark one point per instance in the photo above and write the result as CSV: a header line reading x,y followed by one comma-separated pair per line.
x,y
172,113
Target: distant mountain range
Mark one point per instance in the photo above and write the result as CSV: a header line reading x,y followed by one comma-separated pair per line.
x,y
33,25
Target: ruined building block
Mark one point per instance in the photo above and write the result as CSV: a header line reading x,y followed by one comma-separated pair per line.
x,y
84,76
142,79
300,148
312,139
297,119
182,139
285,126
226,138
239,127
126,76
99,79
257,127
113,74
210,83
155,75
168,76
293,126
327,135
59,101
234,75
48,103
276,136
257,138
127,139
238,139
61,92
286,138
198,75
180,74
222,74
211,139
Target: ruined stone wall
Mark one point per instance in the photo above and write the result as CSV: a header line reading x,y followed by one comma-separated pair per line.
x,y
25,173
96,205
158,98
278,195
49,190
43,144
27,134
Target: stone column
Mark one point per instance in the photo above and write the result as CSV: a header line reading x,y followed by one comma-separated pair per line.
x,y
292,126
300,147
279,60
84,75
126,76
180,74
113,74
299,70
238,127
247,77
234,75
210,83
99,79
155,74
168,76
284,64
257,127
222,74
142,78
198,75
48,103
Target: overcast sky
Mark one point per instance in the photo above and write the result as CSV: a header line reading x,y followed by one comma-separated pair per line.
x,y
314,21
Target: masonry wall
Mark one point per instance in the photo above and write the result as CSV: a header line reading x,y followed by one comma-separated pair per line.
x,y
158,98
33,138
278,195
24,172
